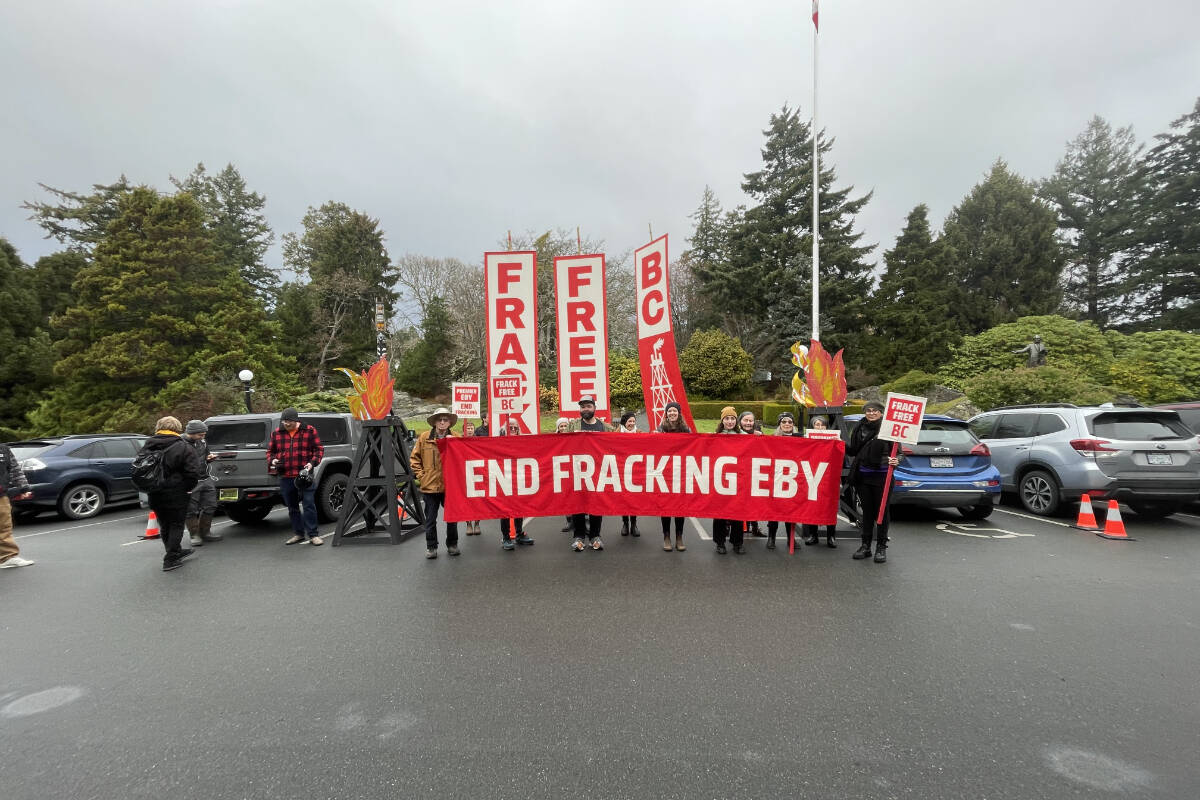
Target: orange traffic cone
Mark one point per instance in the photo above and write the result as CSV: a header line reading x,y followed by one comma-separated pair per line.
x,y
1087,517
1114,528
152,531
400,507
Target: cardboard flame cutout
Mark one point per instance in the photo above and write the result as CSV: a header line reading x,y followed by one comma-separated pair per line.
x,y
824,381
374,387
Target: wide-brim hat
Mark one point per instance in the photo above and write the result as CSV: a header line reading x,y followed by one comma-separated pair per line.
x,y
442,412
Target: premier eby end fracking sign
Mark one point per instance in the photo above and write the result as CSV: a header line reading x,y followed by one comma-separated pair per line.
x,y
464,400
661,381
902,415
510,295
582,324
704,475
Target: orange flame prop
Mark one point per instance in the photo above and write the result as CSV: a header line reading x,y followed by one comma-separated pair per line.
x,y
824,382
374,387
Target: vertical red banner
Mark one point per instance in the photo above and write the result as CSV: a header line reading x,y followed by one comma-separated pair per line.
x,y
582,324
661,382
510,295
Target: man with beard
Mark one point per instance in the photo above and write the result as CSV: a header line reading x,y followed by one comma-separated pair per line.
x,y
588,525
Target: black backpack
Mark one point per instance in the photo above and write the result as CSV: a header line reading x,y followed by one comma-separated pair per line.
x,y
149,473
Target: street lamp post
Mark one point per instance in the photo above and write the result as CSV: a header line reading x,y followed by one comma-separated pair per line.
x,y
245,376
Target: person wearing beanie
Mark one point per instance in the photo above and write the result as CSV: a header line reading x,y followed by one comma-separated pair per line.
x,y
628,424
202,500
673,423
295,447
563,425
868,474
785,425
728,529
181,469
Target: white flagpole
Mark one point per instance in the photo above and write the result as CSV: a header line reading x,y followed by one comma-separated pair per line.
x,y
816,192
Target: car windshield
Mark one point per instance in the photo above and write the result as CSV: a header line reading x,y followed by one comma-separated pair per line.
x,y
31,449
248,433
1139,426
944,433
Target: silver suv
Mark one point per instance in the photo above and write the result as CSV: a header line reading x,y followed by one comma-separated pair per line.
x,y
1052,454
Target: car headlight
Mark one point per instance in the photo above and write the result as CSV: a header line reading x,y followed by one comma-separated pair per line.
x,y
32,465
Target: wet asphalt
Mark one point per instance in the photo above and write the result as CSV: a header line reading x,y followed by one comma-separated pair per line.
x,y
1009,658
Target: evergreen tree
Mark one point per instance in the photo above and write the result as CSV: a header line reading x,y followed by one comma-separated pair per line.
x,y
342,254
770,243
53,276
240,232
424,371
1093,191
1008,261
26,358
912,312
155,316
79,220
1165,283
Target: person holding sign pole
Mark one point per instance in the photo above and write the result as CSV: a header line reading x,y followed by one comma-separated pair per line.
x,y
868,474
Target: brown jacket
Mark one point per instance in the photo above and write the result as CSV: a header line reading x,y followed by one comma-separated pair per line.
x,y
427,464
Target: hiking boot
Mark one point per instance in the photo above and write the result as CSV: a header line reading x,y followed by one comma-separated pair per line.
x,y
770,542
523,539
862,552
624,528
880,555
509,544
830,540
633,529
431,552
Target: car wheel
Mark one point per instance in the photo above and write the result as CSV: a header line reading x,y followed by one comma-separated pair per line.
x,y
1154,510
976,512
81,501
331,496
1039,493
248,513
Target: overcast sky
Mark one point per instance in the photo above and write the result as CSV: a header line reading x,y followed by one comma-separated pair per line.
x,y
452,122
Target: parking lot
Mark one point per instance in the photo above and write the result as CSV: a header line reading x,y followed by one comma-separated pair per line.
x,y
1013,657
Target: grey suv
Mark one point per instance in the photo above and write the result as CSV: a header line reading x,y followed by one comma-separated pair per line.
x,y
1050,455
244,489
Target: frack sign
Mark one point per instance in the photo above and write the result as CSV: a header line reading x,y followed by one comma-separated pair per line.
x,y
511,295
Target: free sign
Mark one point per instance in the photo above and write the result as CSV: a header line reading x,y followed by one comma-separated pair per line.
x,y
902,415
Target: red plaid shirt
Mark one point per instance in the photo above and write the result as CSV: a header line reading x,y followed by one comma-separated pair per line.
x,y
295,450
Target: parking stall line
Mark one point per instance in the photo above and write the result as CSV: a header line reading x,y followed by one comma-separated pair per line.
x,y
75,527
1034,518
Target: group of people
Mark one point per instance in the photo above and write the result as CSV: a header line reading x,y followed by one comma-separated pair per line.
x,y
868,467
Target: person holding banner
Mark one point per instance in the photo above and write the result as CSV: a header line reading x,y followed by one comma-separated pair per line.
x,y
563,425
513,428
588,524
727,528
811,534
748,425
468,429
785,425
629,425
673,423
868,474
426,465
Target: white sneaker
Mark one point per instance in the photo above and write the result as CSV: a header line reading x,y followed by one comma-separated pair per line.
x,y
17,561
197,541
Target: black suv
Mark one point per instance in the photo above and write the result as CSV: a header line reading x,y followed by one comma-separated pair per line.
x,y
77,475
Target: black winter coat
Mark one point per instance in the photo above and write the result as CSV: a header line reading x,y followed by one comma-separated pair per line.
x,y
182,468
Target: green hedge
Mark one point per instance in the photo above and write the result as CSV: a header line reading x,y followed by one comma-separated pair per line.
x,y
766,411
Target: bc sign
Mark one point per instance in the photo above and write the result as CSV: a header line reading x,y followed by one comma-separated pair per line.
x,y
902,415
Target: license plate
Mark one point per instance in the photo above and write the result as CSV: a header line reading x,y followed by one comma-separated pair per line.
x,y
1159,459
227,495
941,461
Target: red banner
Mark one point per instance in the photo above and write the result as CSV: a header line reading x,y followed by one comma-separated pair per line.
x,y
582,324
661,382
510,294
783,478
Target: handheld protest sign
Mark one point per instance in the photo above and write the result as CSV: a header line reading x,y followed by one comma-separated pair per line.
x,y
821,433
902,415
464,400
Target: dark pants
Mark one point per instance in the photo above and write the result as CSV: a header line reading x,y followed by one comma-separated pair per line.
x,y
301,506
666,525
814,531
587,526
870,496
773,528
170,524
728,529
503,529
434,501
202,499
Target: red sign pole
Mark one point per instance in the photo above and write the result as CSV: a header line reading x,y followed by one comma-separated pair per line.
x,y
887,486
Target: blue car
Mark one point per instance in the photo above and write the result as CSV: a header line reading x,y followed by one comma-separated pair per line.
x,y
78,476
947,468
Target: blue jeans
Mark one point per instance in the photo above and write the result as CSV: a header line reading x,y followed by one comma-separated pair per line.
x,y
304,520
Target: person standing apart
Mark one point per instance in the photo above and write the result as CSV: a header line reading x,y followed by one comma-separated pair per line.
x,y
727,529
469,430
588,525
426,463
673,423
628,424
868,474
16,487
294,452
181,470
202,500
